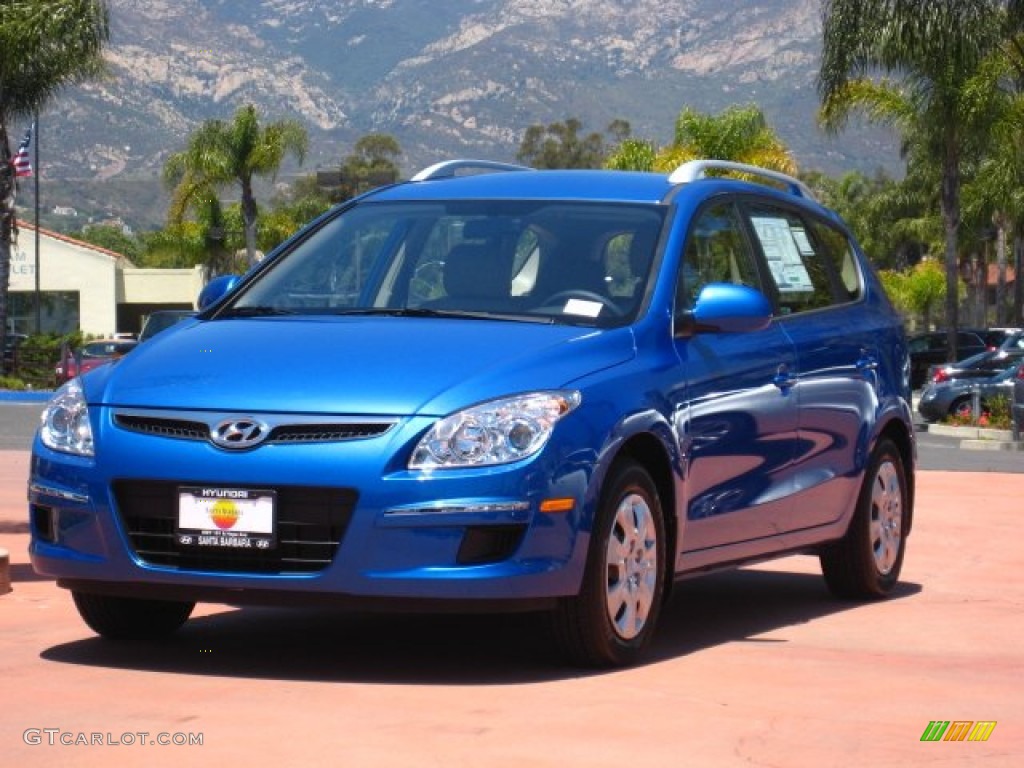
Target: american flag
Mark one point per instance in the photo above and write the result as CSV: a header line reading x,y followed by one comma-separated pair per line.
x,y
21,162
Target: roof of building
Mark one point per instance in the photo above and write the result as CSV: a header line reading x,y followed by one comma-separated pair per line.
x,y
122,260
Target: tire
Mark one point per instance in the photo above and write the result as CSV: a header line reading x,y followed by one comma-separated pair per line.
x,y
611,621
865,564
961,408
129,618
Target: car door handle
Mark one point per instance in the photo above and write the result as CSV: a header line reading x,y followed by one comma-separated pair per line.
x,y
867,363
783,379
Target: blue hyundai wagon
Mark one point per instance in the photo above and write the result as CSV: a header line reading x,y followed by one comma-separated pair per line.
x,y
494,388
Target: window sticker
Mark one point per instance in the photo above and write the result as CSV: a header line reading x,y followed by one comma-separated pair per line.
x,y
782,248
800,236
582,308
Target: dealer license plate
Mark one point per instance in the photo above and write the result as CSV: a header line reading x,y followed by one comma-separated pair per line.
x,y
236,518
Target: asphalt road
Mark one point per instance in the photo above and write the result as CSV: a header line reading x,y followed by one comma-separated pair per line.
x,y
18,422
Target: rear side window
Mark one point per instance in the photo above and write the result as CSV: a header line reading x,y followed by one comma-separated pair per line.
x,y
835,246
812,265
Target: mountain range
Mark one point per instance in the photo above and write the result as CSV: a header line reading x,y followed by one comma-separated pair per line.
x,y
445,77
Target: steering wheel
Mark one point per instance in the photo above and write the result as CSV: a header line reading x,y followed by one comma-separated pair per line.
x,y
578,293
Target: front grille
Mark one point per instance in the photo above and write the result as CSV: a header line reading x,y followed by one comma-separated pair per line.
x,y
318,433
311,523
187,430
284,429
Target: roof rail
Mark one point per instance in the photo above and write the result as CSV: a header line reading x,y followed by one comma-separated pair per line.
x,y
448,168
697,169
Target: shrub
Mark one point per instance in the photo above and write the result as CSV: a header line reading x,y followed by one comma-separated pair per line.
x,y
995,413
36,358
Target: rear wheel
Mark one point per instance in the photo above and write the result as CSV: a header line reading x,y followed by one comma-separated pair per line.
x,y
129,618
611,621
961,409
866,562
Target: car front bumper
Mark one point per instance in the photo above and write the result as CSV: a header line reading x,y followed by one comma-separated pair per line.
x,y
352,524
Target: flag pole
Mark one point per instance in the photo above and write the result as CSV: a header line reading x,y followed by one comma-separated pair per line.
x,y
38,303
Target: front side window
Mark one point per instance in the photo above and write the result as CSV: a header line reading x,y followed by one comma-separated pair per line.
x,y
570,262
717,251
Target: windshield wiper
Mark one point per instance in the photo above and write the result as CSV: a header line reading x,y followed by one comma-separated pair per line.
x,y
450,313
255,312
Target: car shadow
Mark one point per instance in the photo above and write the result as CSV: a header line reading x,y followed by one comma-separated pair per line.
x,y
24,572
742,605
317,644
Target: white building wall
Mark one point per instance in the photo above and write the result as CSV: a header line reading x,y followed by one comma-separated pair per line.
x,y
161,286
103,279
66,265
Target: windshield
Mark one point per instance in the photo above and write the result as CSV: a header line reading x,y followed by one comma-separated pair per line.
x,y
567,262
107,348
161,321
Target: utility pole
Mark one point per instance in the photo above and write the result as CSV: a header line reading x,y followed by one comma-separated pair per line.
x,y
38,297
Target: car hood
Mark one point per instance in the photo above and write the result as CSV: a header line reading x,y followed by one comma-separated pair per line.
x,y
352,365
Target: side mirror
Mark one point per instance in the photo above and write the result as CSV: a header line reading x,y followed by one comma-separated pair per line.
x,y
216,289
726,308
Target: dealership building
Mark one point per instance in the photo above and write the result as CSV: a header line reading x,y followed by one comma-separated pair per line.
x,y
80,286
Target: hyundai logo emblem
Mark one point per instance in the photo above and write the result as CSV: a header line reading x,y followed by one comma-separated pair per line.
x,y
239,433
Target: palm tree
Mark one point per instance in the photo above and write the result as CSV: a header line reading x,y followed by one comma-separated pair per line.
x,y
740,134
202,239
44,46
995,194
938,48
1009,157
221,153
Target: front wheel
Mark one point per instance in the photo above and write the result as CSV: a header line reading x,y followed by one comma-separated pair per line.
x,y
129,618
866,562
611,621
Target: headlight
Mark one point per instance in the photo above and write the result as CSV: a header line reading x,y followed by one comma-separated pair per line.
x,y
495,432
65,422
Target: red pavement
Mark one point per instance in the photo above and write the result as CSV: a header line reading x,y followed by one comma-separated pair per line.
x,y
758,667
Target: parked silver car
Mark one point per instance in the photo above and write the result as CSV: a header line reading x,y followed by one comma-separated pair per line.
x,y
955,397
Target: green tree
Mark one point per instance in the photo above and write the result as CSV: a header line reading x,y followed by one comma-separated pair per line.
x,y
303,201
45,45
176,246
892,220
372,163
111,238
212,236
917,292
221,153
740,134
927,289
995,193
632,155
560,145
938,49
